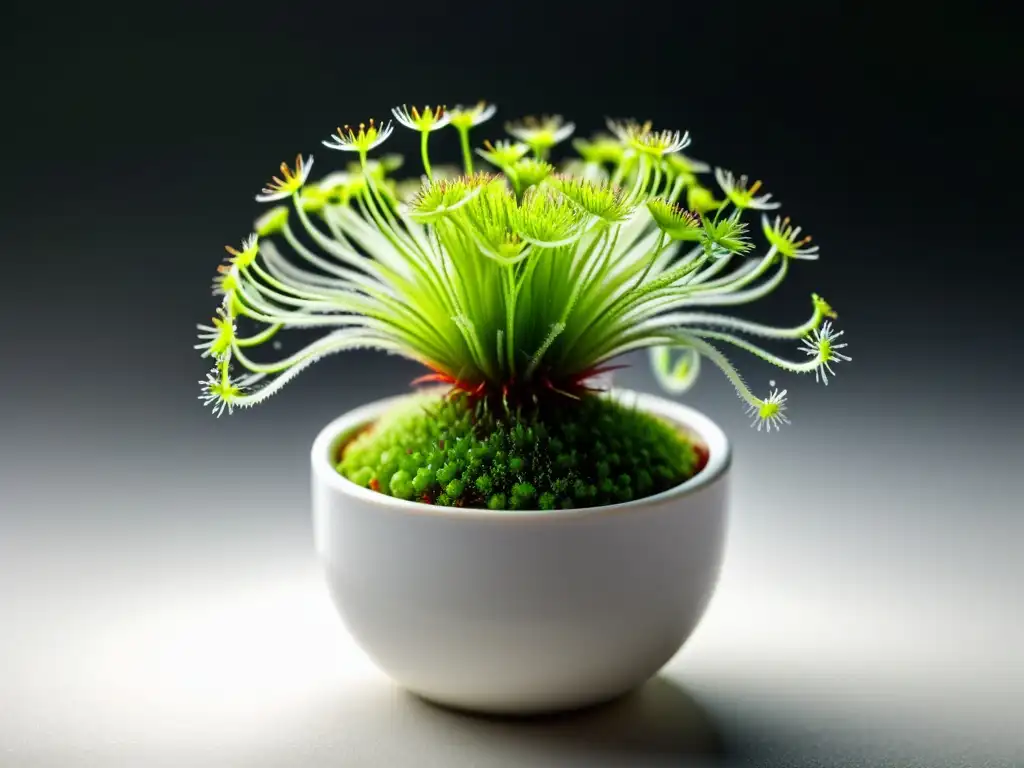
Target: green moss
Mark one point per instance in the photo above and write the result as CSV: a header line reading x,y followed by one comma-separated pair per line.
x,y
452,451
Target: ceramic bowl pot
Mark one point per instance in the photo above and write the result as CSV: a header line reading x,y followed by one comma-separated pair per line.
x,y
521,612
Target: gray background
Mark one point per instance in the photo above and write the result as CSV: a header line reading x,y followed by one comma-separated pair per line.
x,y
159,601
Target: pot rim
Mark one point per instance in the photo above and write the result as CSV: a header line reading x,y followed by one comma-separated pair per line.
x,y
719,460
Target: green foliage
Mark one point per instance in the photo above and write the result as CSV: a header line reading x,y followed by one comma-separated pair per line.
x,y
528,278
455,451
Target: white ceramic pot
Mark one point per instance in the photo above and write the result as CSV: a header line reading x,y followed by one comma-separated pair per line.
x,y
527,611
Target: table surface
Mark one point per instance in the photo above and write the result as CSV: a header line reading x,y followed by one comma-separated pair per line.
x,y
156,614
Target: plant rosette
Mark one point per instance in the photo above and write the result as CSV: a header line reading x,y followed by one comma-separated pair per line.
x,y
516,537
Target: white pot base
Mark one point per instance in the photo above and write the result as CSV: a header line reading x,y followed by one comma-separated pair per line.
x,y
505,709
516,613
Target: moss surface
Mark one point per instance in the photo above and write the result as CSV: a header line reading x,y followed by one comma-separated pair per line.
x,y
456,452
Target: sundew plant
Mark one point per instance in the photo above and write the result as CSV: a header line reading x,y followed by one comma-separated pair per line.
x,y
516,276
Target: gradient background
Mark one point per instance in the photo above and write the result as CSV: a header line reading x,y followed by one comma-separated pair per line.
x,y
159,602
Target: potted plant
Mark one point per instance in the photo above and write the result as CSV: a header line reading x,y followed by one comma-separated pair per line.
x,y
517,537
